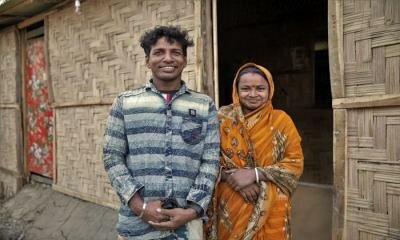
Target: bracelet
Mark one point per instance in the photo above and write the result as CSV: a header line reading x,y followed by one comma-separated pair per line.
x,y
143,209
257,177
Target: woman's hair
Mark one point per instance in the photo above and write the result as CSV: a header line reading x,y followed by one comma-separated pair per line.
x,y
171,33
250,69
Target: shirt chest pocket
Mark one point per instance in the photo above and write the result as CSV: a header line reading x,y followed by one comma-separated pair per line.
x,y
192,131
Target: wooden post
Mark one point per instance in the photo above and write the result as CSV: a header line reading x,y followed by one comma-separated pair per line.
x,y
335,39
208,62
336,67
339,160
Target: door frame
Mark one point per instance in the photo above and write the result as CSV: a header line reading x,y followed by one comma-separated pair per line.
x,y
22,26
336,67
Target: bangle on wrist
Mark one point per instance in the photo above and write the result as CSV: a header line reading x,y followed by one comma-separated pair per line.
x,y
143,209
257,177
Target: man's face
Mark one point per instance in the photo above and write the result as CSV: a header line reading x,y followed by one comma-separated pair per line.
x,y
166,61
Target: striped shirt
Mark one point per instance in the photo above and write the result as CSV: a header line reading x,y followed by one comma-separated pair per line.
x,y
159,150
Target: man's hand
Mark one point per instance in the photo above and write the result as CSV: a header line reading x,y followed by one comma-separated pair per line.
x,y
150,213
153,214
177,218
240,178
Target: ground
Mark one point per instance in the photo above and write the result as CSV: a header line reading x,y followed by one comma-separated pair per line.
x,y
39,213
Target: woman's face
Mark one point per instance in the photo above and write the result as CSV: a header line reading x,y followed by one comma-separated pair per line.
x,y
253,91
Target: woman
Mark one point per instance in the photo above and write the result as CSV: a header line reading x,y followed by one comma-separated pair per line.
x,y
261,162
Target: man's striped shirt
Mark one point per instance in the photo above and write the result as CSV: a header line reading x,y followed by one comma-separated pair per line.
x,y
160,149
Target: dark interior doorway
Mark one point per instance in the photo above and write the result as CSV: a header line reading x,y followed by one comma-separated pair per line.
x,y
289,37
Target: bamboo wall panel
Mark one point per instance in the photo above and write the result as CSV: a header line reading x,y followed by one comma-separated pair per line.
x,y
10,117
8,139
10,169
96,54
373,174
8,66
79,143
371,47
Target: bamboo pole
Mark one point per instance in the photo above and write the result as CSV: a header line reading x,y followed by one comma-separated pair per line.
x,y
215,48
335,39
82,103
367,101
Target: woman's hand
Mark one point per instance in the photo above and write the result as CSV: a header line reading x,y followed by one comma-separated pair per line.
x,y
224,176
250,193
240,178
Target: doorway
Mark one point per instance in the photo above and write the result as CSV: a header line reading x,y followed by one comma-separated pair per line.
x,y
37,109
288,37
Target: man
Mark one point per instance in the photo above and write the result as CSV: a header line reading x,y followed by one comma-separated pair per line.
x,y
162,146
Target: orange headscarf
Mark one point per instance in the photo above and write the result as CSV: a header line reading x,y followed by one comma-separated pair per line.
x,y
267,139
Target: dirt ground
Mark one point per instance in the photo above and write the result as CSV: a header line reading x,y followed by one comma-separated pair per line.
x,y
9,227
39,213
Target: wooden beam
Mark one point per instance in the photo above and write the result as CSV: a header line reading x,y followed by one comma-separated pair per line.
x,y
198,46
34,19
18,77
9,105
208,62
367,101
215,51
339,172
41,16
91,102
24,112
335,40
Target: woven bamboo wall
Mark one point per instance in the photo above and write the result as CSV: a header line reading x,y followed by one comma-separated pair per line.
x,y
94,56
8,66
80,170
371,55
10,118
371,38
373,170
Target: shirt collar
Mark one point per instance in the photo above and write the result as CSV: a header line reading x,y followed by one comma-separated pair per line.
x,y
150,86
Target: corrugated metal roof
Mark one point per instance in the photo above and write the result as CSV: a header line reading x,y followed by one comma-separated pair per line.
x,y
14,11
3,1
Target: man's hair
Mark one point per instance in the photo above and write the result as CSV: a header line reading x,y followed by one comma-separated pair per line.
x,y
171,33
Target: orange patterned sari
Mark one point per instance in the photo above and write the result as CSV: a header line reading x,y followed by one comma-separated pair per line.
x,y
266,139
